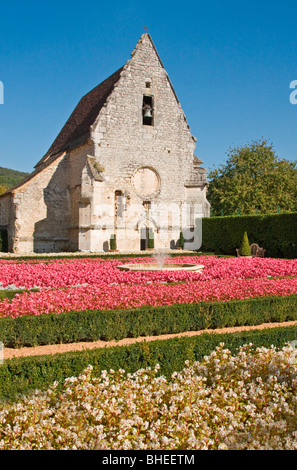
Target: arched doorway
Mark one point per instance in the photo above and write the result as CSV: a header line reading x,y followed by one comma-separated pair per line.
x,y
146,238
4,240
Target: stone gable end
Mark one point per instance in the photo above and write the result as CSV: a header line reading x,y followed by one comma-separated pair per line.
x,y
127,171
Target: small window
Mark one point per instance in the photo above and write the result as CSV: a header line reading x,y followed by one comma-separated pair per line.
x,y
147,84
147,205
120,204
147,111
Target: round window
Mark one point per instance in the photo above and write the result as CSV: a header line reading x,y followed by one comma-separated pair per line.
x,y
146,181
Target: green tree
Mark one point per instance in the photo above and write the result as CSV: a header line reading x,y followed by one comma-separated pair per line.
x,y
253,180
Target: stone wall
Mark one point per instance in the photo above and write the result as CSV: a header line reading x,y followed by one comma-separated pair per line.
x,y
123,145
78,202
5,210
128,179
42,210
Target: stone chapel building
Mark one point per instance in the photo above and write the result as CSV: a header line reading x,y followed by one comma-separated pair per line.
x,y
123,164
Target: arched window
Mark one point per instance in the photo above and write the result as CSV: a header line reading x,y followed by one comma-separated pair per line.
x,y
120,204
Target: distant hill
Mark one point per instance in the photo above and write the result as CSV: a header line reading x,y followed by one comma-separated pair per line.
x,y
10,178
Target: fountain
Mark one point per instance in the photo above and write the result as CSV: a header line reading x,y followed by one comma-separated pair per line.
x,y
161,265
160,256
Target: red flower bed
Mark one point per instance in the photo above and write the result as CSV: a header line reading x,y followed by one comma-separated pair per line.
x,y
100,285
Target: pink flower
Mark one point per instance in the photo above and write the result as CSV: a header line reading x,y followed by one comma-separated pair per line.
x,y
100,285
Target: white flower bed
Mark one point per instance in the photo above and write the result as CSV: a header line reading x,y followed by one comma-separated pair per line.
x,y
245,401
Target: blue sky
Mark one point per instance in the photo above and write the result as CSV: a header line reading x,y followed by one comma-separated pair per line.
x,y
231,64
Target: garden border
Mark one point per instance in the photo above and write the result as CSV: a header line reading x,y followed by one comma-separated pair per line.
x,y
94,325
22,376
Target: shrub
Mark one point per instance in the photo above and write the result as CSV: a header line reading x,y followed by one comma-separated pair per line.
x,y
275,232
151,241
245,246
224,401
110,325
20,376
181,240
113,242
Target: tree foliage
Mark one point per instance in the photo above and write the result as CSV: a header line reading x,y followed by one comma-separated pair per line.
x,y
10,178
253,180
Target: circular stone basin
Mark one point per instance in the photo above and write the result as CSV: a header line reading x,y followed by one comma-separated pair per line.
x,y
157,267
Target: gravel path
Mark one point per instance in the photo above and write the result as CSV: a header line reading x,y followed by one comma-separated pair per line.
x,y
62,348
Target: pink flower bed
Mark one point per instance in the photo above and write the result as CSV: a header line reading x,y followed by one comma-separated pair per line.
x,y
102,286
68,273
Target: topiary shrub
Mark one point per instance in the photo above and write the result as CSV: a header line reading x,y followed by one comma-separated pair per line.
x,y
151,241
181,240
245,246
113,242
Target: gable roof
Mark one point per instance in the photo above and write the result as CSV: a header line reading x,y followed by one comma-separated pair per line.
x,y
77,128
83,116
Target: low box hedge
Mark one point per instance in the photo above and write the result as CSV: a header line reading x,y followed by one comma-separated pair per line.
x,y
109,325
10,294
23,375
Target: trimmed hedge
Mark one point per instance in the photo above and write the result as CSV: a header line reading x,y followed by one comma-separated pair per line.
x,y
10,294
23,375
277,233
109,325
